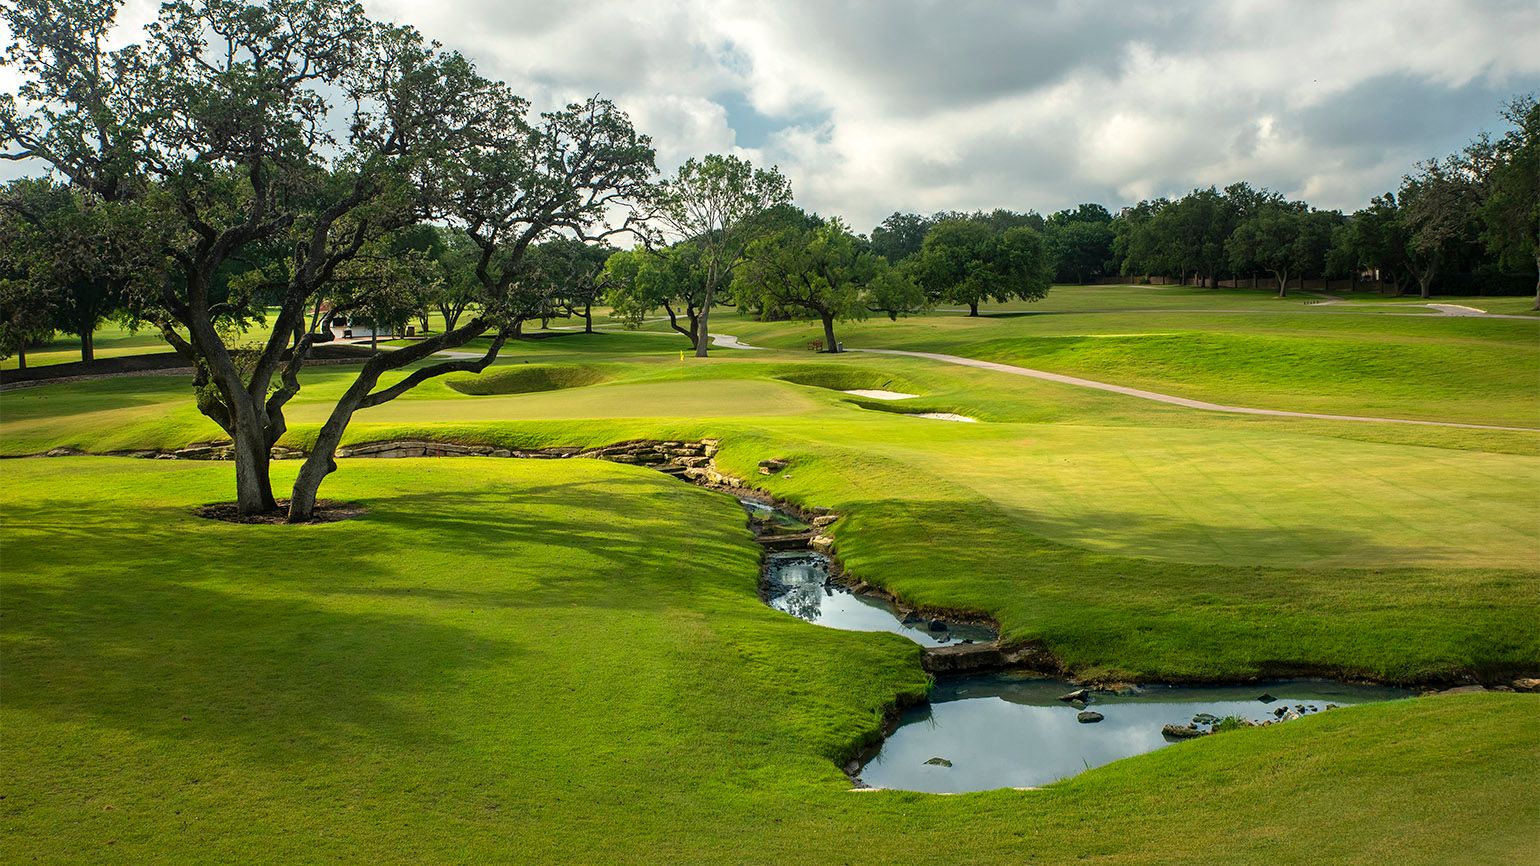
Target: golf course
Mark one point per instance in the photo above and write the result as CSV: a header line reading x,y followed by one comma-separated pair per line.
x,y
528,660
731,433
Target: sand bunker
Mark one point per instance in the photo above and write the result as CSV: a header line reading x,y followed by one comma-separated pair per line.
x,y
879,394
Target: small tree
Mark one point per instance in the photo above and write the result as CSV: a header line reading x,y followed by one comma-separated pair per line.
x,y
822,271
26,306
1376,238
1137,242
965,261
672,278
1283,238
458,285
572,273
716,203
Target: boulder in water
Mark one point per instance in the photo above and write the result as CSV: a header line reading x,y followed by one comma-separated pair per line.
x,y
1181,732
1077,695
939,762
1089,716
937,625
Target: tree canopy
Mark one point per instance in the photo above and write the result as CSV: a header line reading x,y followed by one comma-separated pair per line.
x,y
969,261
825,272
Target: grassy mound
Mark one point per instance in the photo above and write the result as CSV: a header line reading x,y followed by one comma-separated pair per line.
x,y
838,377
528,379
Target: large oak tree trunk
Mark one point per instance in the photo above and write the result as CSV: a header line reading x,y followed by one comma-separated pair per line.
x,y
588,318
321,461
830,344
87,345
973,308
253,486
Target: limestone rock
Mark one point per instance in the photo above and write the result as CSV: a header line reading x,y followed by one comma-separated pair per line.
x,y
1086,717
962,658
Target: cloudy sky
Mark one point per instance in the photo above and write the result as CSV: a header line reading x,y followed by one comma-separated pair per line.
x,y
872,107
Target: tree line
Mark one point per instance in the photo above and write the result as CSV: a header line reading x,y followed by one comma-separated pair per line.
x,y
1468,219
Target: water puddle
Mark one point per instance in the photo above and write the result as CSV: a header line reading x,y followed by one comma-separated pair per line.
x,y
880,394
1003,731
798,583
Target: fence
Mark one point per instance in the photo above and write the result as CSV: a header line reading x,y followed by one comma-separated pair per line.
x,y
1449,284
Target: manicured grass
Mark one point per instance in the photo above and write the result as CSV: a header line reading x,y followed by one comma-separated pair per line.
x,y
1439,369
1125,540
566,661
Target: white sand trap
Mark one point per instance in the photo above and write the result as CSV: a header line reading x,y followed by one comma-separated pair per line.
x,y
945,416
879,394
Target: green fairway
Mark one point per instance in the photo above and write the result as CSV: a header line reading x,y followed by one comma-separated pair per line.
x,y
1474,370
566,661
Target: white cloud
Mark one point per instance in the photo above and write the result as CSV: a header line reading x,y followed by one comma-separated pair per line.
x,y
931,105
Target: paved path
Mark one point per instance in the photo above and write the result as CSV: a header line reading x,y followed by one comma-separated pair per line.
x,y
1439,310
725,341
1168,398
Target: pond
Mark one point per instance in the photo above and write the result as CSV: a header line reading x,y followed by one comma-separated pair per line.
x,y
798,583
1011,731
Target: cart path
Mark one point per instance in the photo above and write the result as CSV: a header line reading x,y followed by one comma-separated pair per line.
x,y
1172,399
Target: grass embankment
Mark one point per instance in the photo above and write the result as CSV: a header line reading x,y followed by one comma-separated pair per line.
x,y
542,661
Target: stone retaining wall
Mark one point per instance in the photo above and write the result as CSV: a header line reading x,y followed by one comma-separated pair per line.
x,y
682,459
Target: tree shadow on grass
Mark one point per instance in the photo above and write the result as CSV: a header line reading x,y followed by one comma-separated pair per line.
x,y
649,559
166,626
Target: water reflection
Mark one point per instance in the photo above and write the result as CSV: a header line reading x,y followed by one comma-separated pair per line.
x,y
1001,731
799,584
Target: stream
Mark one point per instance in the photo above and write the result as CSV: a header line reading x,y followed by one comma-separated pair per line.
x,y
798,582
984,731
